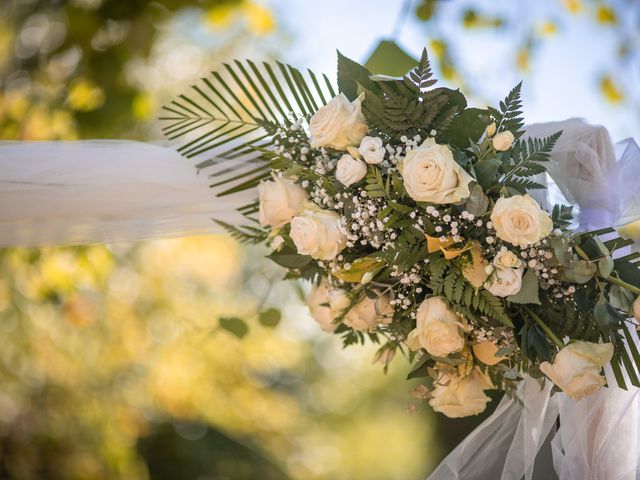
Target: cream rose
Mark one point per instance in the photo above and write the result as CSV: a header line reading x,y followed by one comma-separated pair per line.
x,y
438,329
280,200
318,233
576,368
372,150
506,259
430,174
365,315
338,124
460,396
505,281
503,141
520,221
318,303
486,352
350,170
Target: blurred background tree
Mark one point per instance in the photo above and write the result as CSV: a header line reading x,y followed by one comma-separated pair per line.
x,y
113,362
529,25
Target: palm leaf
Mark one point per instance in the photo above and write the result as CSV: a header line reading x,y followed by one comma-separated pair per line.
x,y
227,118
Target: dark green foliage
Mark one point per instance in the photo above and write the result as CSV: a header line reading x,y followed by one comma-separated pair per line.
x,y
351,75
527,160
467,127
509,117
406,106
562,215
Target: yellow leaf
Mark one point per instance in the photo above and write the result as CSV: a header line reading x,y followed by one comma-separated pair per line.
x,y
261,20
606,15
611,90
574,6
438,48
475,272
221,16
358,269
522,59
434,244
548,28
142,106
85,96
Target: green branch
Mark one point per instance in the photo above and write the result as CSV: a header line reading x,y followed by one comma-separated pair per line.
x,y
544,327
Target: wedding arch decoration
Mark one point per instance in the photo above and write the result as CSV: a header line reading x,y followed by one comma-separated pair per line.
x,y
492,254
423,225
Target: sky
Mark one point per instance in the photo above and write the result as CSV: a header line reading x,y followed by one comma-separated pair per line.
x,y
562,82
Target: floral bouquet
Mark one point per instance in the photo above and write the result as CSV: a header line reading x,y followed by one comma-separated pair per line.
x,y
413,216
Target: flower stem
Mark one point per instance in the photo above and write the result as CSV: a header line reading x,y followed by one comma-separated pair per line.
x,y
623,284
544,327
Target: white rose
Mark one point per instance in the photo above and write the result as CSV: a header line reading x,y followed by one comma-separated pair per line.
x,y
490,131
503,141
430,174
576,368
460,396
338,124
438,329
486,352
505,282
506,259
520,221
365,315
372,150
318,233
350,170
280,200
318,302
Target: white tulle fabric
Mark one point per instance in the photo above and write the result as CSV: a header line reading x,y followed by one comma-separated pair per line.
x,y
102,191
543,435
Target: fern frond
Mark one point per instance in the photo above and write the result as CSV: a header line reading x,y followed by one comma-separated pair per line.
x,y
509,117
527,160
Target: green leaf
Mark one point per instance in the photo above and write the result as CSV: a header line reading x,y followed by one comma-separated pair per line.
x,y
420,369
607,317
270,317
234,325
627,272
593,247
350,74
290,260
605,266
477,203
470,124
529,291
486,171
389,59
581,271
